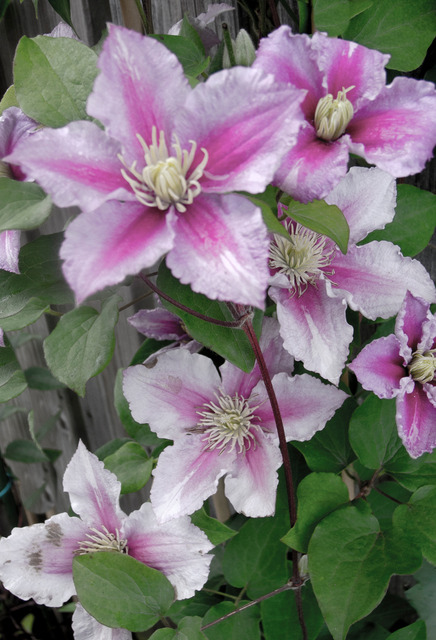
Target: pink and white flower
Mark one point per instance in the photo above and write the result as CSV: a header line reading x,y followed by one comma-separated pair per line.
x,y
222,424
348,108
36,561
156,182
312,282
403,366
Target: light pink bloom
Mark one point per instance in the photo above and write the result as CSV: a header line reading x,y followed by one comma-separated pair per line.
x,y
312,282
86,627
393,127
222,425
403,366
36,561
156,182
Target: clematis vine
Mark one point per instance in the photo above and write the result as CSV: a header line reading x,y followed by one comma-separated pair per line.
x,y
312,282
36,561
347,108
156,182
222,424
403,366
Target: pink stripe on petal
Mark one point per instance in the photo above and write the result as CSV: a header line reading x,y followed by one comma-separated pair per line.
x,y
141,85
94,491
101,248
379,367
221,249
312,167
408,326
416,420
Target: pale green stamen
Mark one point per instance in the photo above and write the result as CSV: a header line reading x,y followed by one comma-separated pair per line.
x,y
302,258
422,367
228,424
102,541
333,115
165,179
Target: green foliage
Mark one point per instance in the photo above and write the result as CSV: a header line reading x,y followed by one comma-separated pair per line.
x,y
415,631
62,7
12,378
42,379
189,51
242,626
422,596
231,344
216,531
187,629
131,465
326,219
29,452
417,520
53,78
23,205
82,344
142,595
280,616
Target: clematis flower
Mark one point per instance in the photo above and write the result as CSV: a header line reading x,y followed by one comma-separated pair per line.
x,y
222,424
347,108
14,126
403,366
36,561
312,282
156,182
85,627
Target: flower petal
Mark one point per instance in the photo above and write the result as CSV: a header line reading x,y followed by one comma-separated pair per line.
x,y
9,250
14,126
86,627
397,131
166,393
312,167
246,121
375,277
314,329
37,562
186,475
178,549
158,323
119,239
76,165
416,421
251,485
379,367
367,198
94,491
141,85
221,249
409,324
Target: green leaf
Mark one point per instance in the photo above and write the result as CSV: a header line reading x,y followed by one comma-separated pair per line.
x,y
411,473
415,631
318,495
142,595
231,344
189,628
190,56
414,221
373,432
401,28
42,379
25,451
62,8
8,410
329,450
417,519
216,531
53,78
382,505
40,283
280,616
82,344
12,379
332,16
323,218
131,465
349,555
23,205
147,348
423,596
9,99
242,626
270,219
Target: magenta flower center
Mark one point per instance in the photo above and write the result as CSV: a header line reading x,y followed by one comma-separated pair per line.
x,y
102,540
302,258
228,424
332,115
422,367
166,179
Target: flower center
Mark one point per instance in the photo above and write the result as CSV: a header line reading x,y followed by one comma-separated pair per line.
x,y
302,258
422,367
332,115
228,423
5,170
165,179
102,541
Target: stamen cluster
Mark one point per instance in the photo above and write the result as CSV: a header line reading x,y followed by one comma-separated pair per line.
x,y
332,115
422,367
102,541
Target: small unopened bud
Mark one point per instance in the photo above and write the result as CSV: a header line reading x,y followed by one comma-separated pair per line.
x,y
303,567
243,49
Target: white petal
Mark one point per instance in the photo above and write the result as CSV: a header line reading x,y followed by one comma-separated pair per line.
x,y
86,627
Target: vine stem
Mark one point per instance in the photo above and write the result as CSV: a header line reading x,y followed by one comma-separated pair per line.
x,y
296,581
